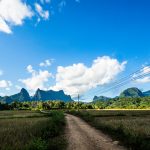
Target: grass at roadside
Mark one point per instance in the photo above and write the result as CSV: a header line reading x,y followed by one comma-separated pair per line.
x,y
131,127
37,133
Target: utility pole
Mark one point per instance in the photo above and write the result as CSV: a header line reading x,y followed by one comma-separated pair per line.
x,y
78,101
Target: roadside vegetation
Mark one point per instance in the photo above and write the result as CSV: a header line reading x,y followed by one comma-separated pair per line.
x,y
131,127
33,130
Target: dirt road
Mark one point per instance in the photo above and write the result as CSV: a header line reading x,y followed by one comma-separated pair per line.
x,y
82,136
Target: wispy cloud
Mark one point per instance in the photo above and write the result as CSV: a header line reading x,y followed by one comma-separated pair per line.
x,y
143,76
46,63
61,5
42,13
45,1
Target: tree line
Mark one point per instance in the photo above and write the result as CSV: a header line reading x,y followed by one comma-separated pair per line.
x,y
116,103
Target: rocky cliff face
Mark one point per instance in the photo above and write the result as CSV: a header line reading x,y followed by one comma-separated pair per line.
x,y
51,95
23,95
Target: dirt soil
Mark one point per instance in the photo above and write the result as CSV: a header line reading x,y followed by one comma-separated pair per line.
x,y
81,136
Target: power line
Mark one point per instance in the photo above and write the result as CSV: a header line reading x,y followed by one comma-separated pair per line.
x,y
127,77
123,80
138,77
121,84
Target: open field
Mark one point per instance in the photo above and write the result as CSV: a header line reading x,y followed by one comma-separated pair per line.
x,y
20,114
117,112
34,130
21,130
131,127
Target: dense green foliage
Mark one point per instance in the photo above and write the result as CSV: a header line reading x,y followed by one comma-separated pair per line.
x,y
124,103
131,127
116,103
33,130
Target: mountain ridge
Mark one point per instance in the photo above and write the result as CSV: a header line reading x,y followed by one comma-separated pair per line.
x,y
132,92
53,95
40,95
102,98
147,93
23,95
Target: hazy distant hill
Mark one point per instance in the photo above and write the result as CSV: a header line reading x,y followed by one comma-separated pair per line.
x,y
147,93
132,92
102,98
7,99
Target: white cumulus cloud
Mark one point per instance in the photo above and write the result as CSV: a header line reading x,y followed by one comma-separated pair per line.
x,y
78,78
37,79
15,12
4,27
12,13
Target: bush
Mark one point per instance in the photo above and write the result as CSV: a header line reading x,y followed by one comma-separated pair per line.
x,y
37,144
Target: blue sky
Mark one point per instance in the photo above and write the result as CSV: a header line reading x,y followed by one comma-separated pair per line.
x,y
73,32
